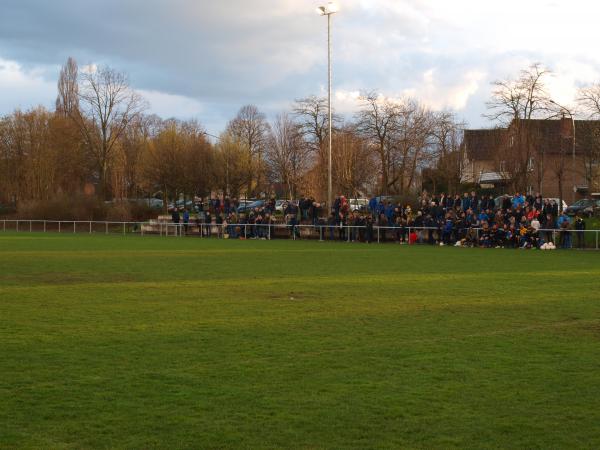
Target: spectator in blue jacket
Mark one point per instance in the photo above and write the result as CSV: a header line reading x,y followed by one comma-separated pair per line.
x,y
466,202
518,200
373,206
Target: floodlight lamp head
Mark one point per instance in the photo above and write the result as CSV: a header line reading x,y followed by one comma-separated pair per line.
x,y
331,8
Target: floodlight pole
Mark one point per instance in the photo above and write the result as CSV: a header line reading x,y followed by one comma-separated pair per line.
x,y
573,158
329,185
328,11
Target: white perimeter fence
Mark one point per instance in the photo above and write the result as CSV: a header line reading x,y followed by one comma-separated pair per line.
x,y
589,239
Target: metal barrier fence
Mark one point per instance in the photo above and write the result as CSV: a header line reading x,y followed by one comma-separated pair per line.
x,y
410,235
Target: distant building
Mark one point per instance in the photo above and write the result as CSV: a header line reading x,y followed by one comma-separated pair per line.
x,y
534,156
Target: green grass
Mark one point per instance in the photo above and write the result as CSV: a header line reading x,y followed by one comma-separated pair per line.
x,y
128,342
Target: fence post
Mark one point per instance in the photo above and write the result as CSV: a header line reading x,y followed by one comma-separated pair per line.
x,y
408,235
124,225
17,226
269,229
59,226
348,231
378,241
4,225
74,224
596,239
30,226
44,226
90,227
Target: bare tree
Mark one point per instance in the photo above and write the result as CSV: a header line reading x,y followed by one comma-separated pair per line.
x,y
312,114
67,102
377,121
588,133
107,106
288,154
250,129
411,144
399,133
514,103
447,136
231,169
353,162
313,117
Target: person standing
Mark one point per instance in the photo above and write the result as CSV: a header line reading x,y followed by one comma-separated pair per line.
x,y
186,220
175,216
565,230
580,231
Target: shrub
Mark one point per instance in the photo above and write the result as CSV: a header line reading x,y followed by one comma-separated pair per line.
x,y
73,207
84,207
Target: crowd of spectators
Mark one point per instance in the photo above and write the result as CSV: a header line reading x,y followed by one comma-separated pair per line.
x,y
518,221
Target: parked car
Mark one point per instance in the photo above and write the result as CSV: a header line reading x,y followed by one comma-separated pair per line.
x,y
155,203
280,205
189,204
585,207
499,200
557,201
358,204
245,207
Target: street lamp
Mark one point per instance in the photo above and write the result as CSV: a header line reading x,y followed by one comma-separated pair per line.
x,y
564,109
328,10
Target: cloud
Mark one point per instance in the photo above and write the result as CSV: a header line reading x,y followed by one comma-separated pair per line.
x,y
23,89
169,105
209,58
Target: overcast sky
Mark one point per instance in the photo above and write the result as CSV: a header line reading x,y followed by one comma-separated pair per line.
x,y
204,59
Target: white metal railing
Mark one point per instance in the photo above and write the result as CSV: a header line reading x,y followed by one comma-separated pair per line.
x,y
322,232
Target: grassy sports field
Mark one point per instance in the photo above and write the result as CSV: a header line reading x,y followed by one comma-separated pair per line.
x,y
129,342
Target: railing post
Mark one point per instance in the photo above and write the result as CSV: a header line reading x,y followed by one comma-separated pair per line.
x,y
596,239
17,226
245,232
124,225
44,226
90,227
74,226
408,235
59,226
269,230
378,241
30,226
348,231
